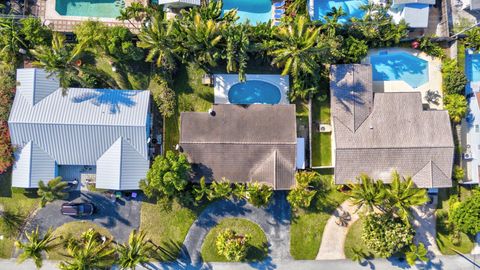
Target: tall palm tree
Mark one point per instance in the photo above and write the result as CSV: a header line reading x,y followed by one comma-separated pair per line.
x,y
158,38
35,246
90,252
53,190
136,251
59,59
236,48
201,41
331,23
10,39
402,195
367,193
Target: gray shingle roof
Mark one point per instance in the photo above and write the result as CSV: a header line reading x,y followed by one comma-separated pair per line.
x,y
242,143
397,134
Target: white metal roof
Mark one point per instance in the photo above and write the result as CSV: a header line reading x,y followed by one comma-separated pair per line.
x,y
78,128
32,164
121,167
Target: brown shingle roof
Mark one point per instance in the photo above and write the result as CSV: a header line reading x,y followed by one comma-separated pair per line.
x,y
242,143
397,134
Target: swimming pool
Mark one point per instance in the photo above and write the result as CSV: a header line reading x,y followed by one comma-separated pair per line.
x,y
254,11
472,67
399,66
254,91
89,8
351,7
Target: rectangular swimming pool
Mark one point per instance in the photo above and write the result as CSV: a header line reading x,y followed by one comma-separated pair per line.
x,y
254,11
472,67
92,8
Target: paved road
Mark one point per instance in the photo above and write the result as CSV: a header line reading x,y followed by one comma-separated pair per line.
x,y
442,262
274,220
119,217
333,240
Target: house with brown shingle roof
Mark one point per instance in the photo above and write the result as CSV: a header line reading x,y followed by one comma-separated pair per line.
x,y
255,143
377,133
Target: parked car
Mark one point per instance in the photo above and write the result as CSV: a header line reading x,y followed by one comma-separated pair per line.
x,y
78,209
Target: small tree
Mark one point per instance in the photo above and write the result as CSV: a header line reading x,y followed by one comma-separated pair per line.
x,y
302,195
454,80
466,215
416,253
136,251
220,190
386,234
201,191
430,48
259,195
35,245
357,254
457,107
52,191
231,245
367,193
458,173
168,175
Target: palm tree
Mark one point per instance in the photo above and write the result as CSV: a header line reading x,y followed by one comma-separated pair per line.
x,y
137,251
59,59
236,49
134,11
297,7
158,38
331,21
10,39
297,50
35,245
357,254
416,253
201,40
457,107
53,190
367,193
402,195
90,252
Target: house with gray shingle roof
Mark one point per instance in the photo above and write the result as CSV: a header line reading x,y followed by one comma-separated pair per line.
x,y
377,133
96,134
255,143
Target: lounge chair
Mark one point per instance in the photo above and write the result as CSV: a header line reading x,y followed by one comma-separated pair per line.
x,y
279,5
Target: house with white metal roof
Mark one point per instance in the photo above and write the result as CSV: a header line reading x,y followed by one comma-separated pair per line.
x,y
95,134
414,12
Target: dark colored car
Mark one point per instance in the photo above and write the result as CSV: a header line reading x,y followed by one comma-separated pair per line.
x,y
78,209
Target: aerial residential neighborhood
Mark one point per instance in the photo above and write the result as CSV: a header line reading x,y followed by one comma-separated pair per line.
x,y
228,134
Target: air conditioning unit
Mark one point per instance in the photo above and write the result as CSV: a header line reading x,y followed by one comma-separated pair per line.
x,y
467,156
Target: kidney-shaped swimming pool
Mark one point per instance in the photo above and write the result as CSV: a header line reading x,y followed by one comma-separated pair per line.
x,y
254,91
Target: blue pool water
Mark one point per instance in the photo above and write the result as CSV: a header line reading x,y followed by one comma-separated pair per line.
x,y
254,11
399,67
89,8
254,91
473,67
351,7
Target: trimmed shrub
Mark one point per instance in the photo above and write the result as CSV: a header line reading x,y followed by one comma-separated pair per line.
x,y
232,245
466,215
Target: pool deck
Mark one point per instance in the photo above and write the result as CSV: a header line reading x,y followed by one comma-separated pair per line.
x,y
61,23
223,82
434,76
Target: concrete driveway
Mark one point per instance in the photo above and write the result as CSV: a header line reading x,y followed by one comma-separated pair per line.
x,y
119,217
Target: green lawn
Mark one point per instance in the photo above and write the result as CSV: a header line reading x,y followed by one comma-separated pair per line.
x,y
258,246
73,230
307,225
131,75
321,142
17,206
191,96
167,224
354,240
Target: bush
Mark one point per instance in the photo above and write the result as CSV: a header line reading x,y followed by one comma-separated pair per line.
x,y
454,80
258,195
354,50
167,176
466,215
301,196
35,33
220,190
6,150
457,107
473,39
164,97
458,173
232,245
386,234
430,48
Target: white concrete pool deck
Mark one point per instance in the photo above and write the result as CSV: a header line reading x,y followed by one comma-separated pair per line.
x,y
223,83
434,76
